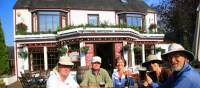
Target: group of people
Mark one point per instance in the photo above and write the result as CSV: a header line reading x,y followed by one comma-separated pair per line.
x,y
180,74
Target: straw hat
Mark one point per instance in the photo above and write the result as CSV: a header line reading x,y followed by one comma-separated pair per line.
x,y
174,48
151,58
96,59
65,60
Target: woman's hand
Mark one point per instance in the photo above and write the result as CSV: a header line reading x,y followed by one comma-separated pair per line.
x,y
148,79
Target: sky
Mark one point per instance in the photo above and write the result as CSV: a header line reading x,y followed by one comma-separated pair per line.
x,y
6,17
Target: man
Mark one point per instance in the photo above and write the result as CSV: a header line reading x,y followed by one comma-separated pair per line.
x,y
184,75
60,77
96,75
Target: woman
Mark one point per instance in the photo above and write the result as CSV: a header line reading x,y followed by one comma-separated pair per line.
x,y
159,74
120,77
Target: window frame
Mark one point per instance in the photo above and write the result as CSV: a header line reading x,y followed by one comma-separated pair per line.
x,y
36,20
88,16
123,18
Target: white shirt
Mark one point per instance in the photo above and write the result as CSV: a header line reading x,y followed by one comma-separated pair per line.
x,y
54,81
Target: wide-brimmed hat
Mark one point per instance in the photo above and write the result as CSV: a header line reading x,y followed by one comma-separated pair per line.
x,y
177,48
96,59
65,60
151,58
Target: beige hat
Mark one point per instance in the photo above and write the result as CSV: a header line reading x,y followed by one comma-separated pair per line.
x,y
96,59
173,48
151,58
65,60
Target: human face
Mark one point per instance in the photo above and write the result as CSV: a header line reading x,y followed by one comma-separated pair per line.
x,y
176,61
120,64
96,66
64,70
154,66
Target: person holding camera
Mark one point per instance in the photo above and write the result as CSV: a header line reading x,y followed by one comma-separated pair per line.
x,y
157,73
184,75
121,77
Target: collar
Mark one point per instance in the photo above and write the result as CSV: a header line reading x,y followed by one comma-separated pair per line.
x,y
185,68
98,72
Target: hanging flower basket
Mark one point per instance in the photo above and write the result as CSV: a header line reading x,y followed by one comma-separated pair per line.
x,y
21,28
126,47
159,49
62,51
23,54
137,49
152,26
84,49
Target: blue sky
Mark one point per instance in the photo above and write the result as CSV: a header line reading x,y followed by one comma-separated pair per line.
x,y
6,16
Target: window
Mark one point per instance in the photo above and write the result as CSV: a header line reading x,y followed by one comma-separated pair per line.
x,y
134,20
37,59
48,21
53,57
93,19
131,19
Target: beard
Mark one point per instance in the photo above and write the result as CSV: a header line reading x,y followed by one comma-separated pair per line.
x,y
177,68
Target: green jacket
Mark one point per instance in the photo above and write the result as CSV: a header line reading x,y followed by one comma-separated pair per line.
x,y
90,79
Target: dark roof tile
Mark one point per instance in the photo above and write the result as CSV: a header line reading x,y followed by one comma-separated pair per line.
x,y
116,5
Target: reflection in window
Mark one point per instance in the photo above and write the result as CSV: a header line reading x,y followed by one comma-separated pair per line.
x,y
48,21
93,19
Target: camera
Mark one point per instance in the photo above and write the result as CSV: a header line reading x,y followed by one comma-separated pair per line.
x,y
151,74
142,74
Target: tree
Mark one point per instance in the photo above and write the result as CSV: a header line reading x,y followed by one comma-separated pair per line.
x,y
178,18
4,63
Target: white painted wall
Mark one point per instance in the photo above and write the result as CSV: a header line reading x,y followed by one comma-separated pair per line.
x,y
78,17
151,18
23,15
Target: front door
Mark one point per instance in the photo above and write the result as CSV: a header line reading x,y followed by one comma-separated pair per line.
x,y
105,51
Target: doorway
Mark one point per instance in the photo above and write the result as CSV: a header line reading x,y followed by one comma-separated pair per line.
x,y
106,52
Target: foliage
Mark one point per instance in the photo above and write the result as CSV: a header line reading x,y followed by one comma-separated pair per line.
x,y
126,47
4,63
195,64
23,54
137,49
21,28
104,24
68,27
159,49
178,17
2,84
152,26
62,51
84,49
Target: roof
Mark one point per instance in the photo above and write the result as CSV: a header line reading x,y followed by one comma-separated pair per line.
x,y
111,5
